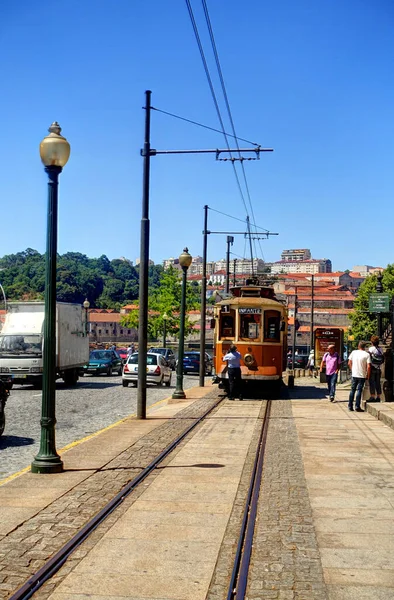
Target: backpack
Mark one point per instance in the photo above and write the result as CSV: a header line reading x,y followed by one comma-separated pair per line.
x,y
377,358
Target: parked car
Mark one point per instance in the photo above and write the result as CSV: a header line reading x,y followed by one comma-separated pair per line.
x,y
157,370
168,355
300,361
123,354
191,363
103,361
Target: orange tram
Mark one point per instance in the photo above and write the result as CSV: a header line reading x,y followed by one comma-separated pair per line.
x,y
256,322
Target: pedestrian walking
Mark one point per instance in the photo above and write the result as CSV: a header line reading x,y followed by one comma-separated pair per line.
x,y
130,350
377,359
331,361
360,366
233,360
311,363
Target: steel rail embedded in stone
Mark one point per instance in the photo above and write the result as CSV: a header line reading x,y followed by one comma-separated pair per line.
x,y
57,561
239,575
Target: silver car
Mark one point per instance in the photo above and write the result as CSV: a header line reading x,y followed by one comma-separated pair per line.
x,y
157,370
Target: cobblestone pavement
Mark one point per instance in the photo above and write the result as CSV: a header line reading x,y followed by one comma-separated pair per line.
x,y
285,562
93,404
25,550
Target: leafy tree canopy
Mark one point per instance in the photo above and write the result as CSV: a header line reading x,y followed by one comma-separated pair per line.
x,y
105,283
364,323
165,299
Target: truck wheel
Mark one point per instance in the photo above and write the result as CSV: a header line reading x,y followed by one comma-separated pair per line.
x,y
109,372
71,377
125,383
120,371
37,385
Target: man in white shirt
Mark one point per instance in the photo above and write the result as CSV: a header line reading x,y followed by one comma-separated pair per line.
x,y
360,366
233,360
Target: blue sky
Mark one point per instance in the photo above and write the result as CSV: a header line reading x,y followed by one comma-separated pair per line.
x,y
313,80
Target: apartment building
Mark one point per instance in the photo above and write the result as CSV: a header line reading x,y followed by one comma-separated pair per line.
x,y
313,265
296,254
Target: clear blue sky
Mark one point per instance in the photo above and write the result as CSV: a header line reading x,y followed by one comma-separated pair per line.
x,y
313,80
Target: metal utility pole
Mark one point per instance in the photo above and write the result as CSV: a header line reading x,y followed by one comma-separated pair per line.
x,y
250,244
144,267
146,153
379,290
312,309
235,272
294,326
203,297
230,241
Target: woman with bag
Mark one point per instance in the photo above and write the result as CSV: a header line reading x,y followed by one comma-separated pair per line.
x,y
377,359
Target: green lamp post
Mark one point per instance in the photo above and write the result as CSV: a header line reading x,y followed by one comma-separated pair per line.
x,y
54,152
165,319
185,261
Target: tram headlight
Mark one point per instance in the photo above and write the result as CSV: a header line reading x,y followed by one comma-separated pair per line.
x,y
249,360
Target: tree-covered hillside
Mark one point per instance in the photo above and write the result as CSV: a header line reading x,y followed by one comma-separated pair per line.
x,y
106,283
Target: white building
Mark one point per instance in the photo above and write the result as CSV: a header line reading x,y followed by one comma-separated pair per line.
x,y
242,265
301,266
137,262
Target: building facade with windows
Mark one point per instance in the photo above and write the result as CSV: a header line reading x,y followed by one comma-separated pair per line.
x,y
296,254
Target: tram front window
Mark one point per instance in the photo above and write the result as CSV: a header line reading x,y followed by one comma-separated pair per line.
x,y
272,326
250,326
227,326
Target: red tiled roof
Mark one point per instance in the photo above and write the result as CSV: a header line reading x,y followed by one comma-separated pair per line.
x,y
104,318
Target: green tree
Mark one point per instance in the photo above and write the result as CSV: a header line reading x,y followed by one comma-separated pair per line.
x,y
364,323
166,299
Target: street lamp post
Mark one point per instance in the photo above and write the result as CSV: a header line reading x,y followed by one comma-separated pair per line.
x,y
185,261
379,290
54,152
86,305
165,319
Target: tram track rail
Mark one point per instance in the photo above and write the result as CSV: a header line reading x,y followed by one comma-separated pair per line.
x,y
54,564
239,576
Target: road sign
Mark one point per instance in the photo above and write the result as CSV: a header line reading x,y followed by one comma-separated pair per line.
x,y
379,303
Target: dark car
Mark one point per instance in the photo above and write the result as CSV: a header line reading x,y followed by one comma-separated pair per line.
x,y
300,361
191,363
103,361
168,355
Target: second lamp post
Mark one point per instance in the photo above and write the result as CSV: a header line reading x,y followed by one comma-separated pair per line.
x,y
185,261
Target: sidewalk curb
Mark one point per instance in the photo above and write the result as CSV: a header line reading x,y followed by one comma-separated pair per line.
x,y
379,414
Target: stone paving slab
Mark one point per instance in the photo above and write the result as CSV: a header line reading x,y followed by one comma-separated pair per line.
x,y
348,461
37,521
169,538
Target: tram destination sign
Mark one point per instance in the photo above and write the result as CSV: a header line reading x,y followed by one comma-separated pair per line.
x,y
250,311
379,303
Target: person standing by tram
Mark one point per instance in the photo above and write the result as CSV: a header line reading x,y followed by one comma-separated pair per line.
x,y
233,360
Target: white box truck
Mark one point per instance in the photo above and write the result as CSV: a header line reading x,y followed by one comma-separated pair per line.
x,y
21,342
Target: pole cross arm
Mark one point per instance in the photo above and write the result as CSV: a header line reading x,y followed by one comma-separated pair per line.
x,y
217,151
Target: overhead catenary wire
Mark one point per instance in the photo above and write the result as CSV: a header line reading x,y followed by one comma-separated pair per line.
x,y
226,100
235,218
204,126
212,89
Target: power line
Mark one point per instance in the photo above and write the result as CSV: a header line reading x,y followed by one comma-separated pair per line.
x,y
202,125
235,218
223,85
206,69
